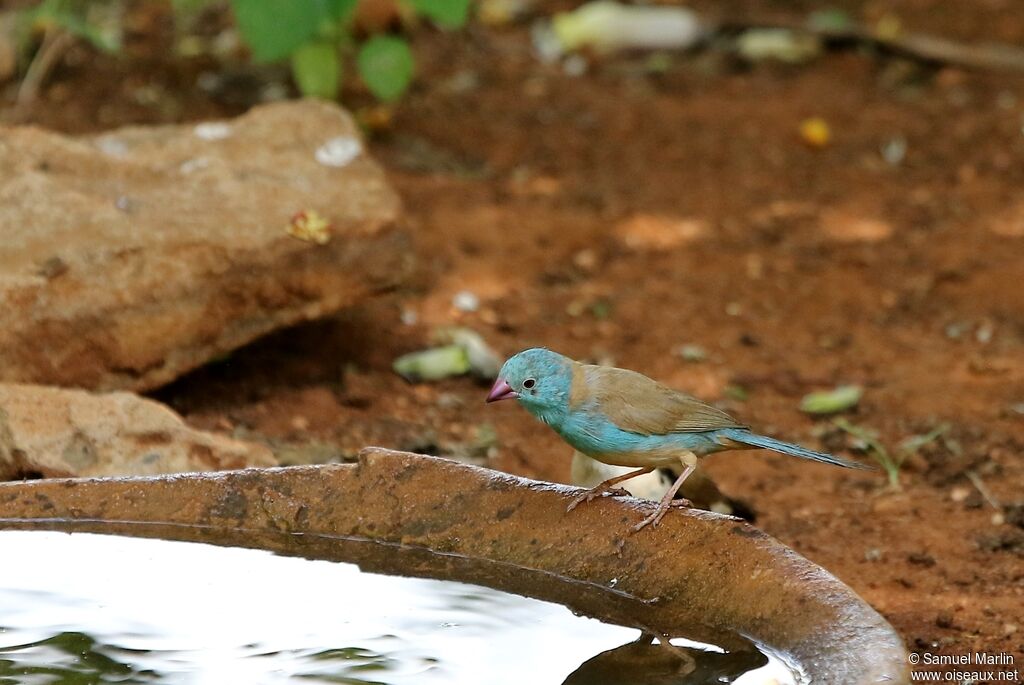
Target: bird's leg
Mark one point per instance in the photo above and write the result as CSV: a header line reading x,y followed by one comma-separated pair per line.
x,y
687,663
601,488
690,460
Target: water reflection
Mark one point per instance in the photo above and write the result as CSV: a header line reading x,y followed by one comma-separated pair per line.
x,y
658,665
88,608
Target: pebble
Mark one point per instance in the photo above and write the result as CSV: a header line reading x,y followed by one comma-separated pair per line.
x,y
894,151
956,329
985,333
338,152
1009,223
691,353
195,164
111,146
815,132
212,130
850,227
466,301
585,260
659,233
575,65
447,400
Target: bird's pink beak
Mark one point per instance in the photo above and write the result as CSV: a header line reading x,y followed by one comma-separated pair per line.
x,y
501,391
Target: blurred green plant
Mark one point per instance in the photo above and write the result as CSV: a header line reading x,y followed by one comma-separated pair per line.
x,y
832,401
316,35
890,461
98,23
54,25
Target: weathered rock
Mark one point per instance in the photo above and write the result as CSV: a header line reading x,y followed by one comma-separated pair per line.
x,y
132,257
57,432
655,233
699,575
846,226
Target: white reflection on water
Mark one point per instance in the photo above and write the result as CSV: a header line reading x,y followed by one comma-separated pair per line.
x,y
177,612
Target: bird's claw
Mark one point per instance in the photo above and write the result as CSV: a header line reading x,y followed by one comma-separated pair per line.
x,y
687,664
655,518
652,520
594,493
659,513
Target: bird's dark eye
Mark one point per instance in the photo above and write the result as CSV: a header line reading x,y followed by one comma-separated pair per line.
x,y
529,383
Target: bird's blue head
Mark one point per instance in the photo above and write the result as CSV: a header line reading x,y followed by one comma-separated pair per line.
x,y
540,379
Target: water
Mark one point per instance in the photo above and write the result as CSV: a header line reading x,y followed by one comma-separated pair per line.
x,y
86,608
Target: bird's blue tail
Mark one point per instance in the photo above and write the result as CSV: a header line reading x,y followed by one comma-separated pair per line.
x,y
753,440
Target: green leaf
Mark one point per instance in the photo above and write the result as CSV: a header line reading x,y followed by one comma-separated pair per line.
x,y
99,25
449,14
316,70
830,20
188,6
386,65
831,401
276,28
434,364
916,442
107,39
736,392
341,9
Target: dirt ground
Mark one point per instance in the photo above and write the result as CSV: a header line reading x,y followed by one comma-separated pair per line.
x,y
621,214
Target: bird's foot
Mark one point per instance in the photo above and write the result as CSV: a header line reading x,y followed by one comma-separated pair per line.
x,y
655,518
652,520
594,493
687,664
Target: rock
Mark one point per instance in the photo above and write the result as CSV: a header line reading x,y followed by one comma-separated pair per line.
x,y
847,226
1010,222
478,526
657,233
55,432
132,257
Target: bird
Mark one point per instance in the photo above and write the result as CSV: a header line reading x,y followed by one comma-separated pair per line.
x,y
699,488
623,418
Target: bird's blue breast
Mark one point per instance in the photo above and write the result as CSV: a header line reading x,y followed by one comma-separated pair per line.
x,y
597,437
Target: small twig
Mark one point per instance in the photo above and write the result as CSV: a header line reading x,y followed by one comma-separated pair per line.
x,y
919,46
56,42
983,489
932,48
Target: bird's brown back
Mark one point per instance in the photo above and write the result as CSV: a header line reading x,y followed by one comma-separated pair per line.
x,y
638,404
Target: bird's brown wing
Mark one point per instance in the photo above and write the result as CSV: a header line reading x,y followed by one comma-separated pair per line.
x,y
635,403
